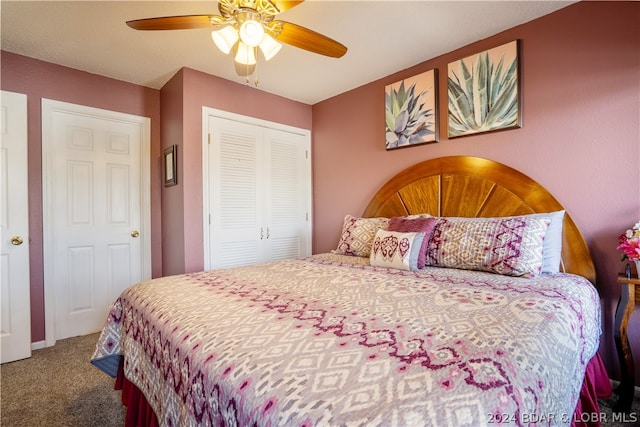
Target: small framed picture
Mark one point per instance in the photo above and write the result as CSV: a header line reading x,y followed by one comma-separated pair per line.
x,y
170,166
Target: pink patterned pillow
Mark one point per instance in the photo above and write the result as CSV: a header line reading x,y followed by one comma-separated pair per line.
x,y
392,249
357,235
418,225
512,246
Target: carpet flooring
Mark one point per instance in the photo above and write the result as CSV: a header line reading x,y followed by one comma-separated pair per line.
x,y
58,386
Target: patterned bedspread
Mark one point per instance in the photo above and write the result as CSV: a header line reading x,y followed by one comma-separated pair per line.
x,y
329,340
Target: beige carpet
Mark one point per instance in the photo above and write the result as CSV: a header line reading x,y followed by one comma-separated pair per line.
x,y
58,387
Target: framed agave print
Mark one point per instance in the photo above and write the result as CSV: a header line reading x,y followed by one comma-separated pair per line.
x,y
410,111
484,92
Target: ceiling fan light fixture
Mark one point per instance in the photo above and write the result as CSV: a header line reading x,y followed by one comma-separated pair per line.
x,y
269,47
251,32
244,54
244,70
225,38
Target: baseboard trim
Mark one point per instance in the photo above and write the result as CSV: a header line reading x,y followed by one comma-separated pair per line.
x,y
636,389
38,345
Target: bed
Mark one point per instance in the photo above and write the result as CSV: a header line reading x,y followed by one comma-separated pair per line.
x,y
406,322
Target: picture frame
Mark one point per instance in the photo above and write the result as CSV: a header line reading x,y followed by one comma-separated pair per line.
x,y
170,166
411,111
484,92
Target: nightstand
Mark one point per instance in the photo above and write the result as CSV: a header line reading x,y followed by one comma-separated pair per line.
x,y
629,298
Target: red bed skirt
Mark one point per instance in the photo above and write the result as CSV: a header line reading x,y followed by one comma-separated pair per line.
x,y
139,412
595,385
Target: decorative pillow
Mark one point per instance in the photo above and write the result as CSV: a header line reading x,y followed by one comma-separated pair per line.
x,y
512,246
416,224
357,235
392,249
552,245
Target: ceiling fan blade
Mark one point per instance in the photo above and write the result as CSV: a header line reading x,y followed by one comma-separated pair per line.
x,y
186,22
306,39
283,5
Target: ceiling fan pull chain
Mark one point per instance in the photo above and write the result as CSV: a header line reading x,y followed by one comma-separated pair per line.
x,y
255,79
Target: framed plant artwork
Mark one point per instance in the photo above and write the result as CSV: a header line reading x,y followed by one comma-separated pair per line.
x,y
484,92
170,166
410,111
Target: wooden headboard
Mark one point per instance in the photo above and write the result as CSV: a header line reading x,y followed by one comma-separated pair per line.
x,y
475,187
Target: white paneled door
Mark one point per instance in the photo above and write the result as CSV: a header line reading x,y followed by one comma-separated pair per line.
x,y
94,187
15,312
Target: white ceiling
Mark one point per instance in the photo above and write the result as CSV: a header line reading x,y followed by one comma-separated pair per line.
x,y
383,37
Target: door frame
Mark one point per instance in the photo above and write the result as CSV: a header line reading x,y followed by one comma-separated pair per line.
x,y
206,192
48,108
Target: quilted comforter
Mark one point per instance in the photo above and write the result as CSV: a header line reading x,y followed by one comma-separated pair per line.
x,y
330,340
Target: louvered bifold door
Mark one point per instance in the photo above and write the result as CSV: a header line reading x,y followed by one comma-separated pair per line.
x,y
236,187
287,196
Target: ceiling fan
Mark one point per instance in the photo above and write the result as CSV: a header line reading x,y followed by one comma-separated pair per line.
x,y
243,26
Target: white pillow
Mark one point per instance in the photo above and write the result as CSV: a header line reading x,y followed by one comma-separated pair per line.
x,y
393,249
552,244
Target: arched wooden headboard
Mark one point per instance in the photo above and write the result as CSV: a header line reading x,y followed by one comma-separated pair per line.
x,y
476,187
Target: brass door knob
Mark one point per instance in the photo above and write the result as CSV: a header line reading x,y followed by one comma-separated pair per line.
x,y
135,233
16,240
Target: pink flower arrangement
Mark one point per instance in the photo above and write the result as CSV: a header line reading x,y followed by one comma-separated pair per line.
x,y
629,243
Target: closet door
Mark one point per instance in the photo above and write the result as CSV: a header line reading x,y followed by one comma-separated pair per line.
x,y
236,187
259,194
287,196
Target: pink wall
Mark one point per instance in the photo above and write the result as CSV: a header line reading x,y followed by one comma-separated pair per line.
x,y
38,79
171,101
580,136
192,90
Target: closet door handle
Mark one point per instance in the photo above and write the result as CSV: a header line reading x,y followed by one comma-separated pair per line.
x,y
267,232
261,233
